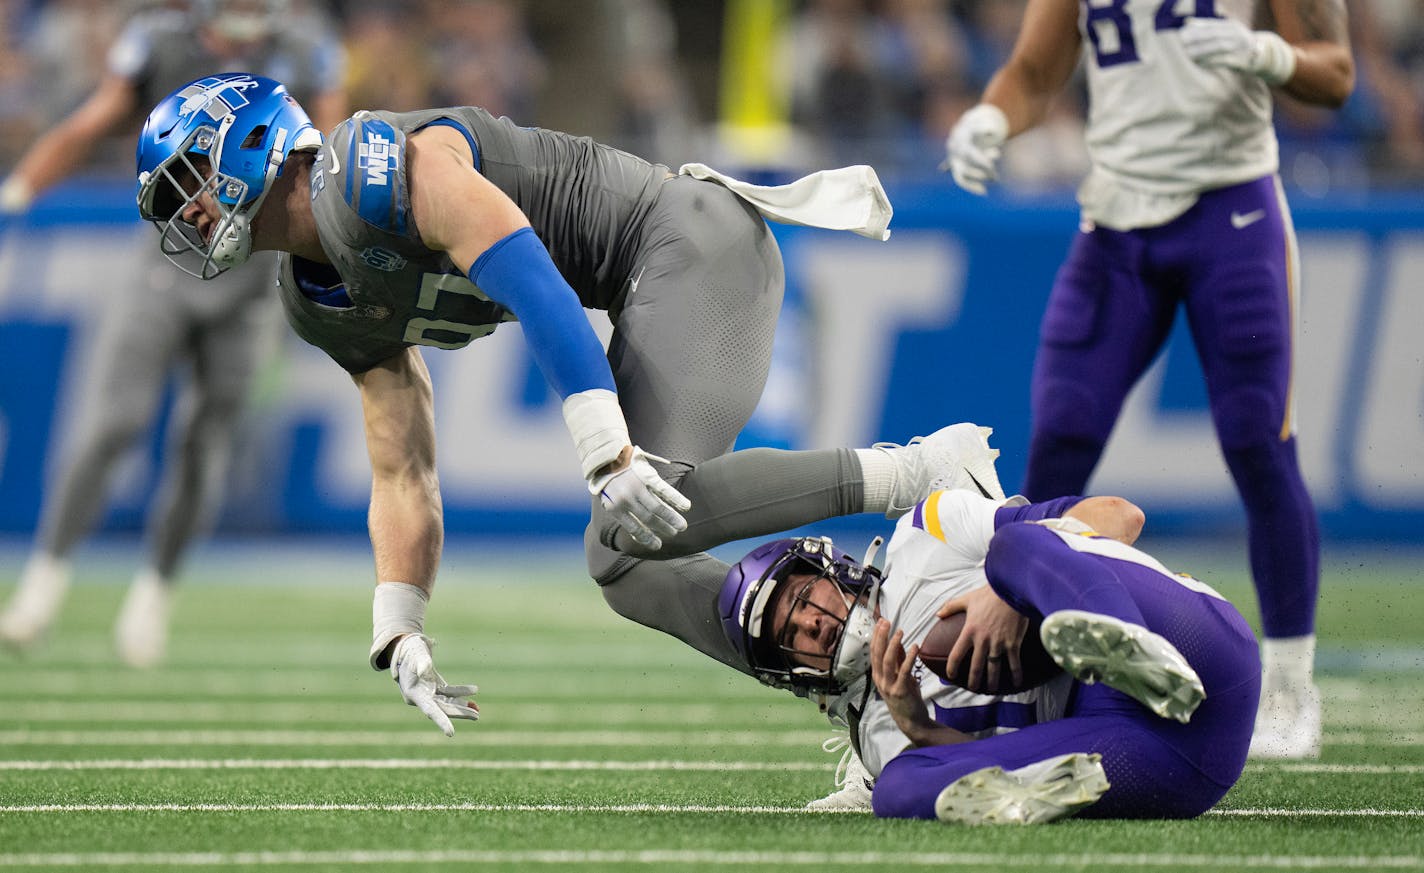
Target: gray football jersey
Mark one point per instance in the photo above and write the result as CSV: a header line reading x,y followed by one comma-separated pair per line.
x,y
587,202
160,50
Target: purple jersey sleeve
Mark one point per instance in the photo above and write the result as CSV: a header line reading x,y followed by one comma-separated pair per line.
x,y
1034,511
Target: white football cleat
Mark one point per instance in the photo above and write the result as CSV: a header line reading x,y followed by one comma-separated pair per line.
x,y
1092,647
854,782
953,457
1046,791
1288,723
141,632
36,601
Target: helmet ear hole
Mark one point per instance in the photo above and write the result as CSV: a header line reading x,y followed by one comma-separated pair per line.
x,y
255,138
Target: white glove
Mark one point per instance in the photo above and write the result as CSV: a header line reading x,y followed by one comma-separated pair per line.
x,y
645,505
1226,42
413,668
974,146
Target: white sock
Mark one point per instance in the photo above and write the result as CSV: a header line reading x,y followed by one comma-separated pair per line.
x,y
877,471
1291,659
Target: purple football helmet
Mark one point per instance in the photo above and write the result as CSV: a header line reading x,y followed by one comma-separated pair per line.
x,y
746,605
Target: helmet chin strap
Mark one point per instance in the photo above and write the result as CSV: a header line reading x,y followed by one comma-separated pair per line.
x,y
851,660
232,241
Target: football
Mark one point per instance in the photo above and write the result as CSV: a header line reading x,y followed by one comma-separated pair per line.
x,y
1038,667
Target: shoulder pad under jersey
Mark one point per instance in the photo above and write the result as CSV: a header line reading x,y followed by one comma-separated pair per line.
x,y
367,165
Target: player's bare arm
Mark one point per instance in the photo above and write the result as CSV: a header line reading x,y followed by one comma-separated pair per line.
x,y
1318,31
461,213
63,147
1043,60
1112,517
406,515
457,210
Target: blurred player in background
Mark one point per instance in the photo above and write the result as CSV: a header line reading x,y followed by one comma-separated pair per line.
x,y
1182,207
1157,725
431,228
158,322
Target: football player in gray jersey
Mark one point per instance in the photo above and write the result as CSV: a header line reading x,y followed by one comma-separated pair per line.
x,y
431,228
157,323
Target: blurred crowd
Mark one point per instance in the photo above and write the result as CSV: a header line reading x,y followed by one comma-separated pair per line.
x,y
874,81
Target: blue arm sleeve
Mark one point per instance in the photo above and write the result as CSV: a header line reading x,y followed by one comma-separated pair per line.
x,y
1034,511
518,273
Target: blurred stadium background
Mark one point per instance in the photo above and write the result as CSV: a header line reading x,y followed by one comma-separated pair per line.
x,y
878,341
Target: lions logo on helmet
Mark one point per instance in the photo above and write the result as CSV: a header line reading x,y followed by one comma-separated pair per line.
x,y
227,94
223,138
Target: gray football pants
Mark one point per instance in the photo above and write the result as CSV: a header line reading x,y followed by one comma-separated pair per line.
x,y
160,323
690,353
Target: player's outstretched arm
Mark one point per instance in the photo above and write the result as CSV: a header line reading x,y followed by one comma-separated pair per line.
x,y
406,533
463,214
63,147
1019,94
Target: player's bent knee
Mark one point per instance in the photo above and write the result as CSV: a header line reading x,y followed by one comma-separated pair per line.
x,y
1067,409
1248,416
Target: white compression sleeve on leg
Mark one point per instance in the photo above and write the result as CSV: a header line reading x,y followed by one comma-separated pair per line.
x,y
877,473
397,609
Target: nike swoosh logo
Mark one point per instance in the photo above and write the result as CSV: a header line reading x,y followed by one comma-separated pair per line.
x,y
336,166
1240,220
633,282
982,490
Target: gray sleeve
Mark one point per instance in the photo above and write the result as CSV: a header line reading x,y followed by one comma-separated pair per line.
x,y
132,53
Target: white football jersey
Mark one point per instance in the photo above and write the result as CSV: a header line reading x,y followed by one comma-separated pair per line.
x,y
937,553
1161,128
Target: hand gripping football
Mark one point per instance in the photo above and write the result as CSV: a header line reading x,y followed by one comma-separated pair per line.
x,y
1038,667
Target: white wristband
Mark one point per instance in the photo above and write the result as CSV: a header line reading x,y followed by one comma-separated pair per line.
x,y
1272,58
397,609
595,421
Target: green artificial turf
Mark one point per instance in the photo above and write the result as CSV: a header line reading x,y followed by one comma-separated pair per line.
x,y
266,743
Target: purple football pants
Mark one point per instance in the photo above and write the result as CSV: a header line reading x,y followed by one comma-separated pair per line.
x,y
1227,262
1158,768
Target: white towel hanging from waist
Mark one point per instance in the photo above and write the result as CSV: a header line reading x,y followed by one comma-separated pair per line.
x,y
850,198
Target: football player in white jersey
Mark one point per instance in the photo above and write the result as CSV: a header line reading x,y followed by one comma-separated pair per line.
x,y
158,324
1182,209
1167,674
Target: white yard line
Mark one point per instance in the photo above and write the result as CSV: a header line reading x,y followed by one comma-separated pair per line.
x,y
488,737
557,765
1264,812
415,764
418,735
699,858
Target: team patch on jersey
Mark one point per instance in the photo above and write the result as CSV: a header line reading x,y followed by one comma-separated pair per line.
x,y
385,260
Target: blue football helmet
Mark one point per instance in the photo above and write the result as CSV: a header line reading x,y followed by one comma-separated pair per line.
x,y
747,601
222,138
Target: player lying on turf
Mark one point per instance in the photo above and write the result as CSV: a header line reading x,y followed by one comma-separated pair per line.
x,y
1150,718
